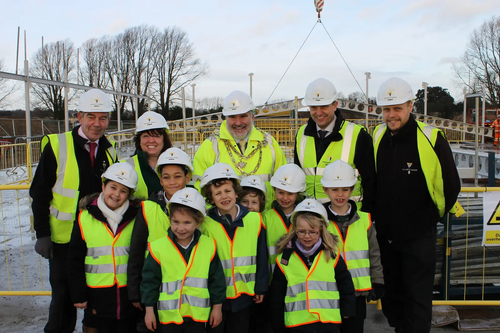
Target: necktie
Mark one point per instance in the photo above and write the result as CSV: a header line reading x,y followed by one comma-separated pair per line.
x,y
93,146
242,144
321,134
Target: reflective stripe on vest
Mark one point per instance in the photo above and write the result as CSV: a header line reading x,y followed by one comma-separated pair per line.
x,y
184,289
107,255
238,256
429,161
355,250
65,192
142,189
275,228
344,150
312,294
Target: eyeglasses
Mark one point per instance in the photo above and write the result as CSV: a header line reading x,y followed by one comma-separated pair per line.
x,y
302,233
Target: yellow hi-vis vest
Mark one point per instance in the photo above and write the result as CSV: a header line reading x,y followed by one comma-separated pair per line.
x,y
63,206
156,220
142,189
184,289
275,228
343,150
238,256
311,294
107,255
355,250
431,167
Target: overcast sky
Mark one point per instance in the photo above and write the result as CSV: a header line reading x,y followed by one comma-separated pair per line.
x,y
416,40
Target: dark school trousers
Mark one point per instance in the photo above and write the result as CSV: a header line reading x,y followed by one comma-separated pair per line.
x,y
409,282
355,324
186,327
232,322
62,313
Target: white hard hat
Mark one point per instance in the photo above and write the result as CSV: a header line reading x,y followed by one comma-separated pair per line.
x,y
174,156
151,120
254,182
290,178
122,173
236,103
394,91
189,197
311,206
217,171
339,174
95,100
320,92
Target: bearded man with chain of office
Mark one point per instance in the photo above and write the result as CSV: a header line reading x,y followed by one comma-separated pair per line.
x,y
240,144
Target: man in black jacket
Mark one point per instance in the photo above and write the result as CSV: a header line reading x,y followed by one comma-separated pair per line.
x,y
328,137
417,184
70,168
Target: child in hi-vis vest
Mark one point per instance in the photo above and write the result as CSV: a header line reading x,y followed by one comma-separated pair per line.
x,y
311,290
99,250
358,242
182,274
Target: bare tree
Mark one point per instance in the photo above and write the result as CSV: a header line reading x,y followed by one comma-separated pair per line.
x,y
481,62
93,69
6,89
210,104
49,63
175,66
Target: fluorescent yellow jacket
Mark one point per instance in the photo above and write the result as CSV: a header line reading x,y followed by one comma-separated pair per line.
x,y
65,192
311,294
142,189
263,163
343,150
107,255
184,289
275,228
239,255
355,250
431,167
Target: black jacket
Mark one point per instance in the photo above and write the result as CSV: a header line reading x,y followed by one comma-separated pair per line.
x,y
363,157
138,246
262,273
277,293
111,302
407,211
45,178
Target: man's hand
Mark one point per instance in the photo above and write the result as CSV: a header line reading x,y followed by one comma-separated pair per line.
x,y
43,247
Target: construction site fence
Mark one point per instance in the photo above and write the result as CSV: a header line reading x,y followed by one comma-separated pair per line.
x,y
467,273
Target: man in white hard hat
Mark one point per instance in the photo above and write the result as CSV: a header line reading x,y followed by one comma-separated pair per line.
x,y
70,168
417,183
249,150
328,137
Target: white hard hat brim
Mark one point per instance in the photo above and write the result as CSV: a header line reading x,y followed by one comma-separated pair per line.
x,y
309,102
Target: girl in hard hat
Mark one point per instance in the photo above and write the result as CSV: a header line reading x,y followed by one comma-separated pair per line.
x,y
241,245
358,242
183,274
253,194
151,139
98,253
174,170
311,290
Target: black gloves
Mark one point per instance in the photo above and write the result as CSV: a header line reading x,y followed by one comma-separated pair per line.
x,y
376,292
43,247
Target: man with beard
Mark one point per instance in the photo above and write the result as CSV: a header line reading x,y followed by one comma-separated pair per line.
x,y
249,150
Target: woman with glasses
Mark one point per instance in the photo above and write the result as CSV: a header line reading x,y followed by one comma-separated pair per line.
x,y
311,289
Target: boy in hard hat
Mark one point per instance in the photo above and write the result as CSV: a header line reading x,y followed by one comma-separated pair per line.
x,y
98,253
357,240
183,274
174,170
241,245
253,194
311,290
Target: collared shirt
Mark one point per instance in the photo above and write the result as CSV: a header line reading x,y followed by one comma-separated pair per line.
x,y
186,247
337,214
87,145
328,129
237,213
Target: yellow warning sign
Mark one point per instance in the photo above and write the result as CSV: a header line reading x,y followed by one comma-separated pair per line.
x,y
492,238
459,210
495,217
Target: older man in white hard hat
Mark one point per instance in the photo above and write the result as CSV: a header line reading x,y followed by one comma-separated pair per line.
x,y
417,183
70,168
249,150
328,137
